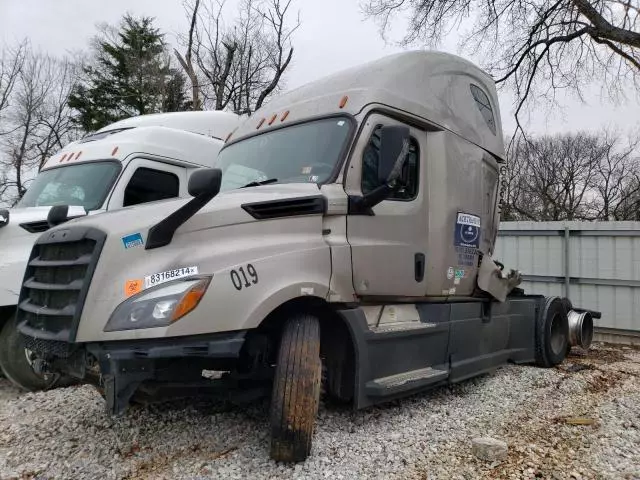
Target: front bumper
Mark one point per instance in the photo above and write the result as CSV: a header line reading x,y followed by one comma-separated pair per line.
x,y
121,367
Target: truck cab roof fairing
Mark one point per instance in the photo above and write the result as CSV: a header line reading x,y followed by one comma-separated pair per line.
x,y
435,86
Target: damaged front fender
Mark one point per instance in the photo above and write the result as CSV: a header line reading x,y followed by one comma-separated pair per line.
x,y
492,280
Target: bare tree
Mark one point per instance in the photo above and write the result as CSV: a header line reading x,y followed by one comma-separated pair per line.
x,y
535,47
55,123
186,61
580,176
215,54
240,66
629,206
38,120
617,184
32,88
514,190
11,63
551,177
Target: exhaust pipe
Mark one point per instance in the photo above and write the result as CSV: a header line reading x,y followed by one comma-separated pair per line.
x,y
580,328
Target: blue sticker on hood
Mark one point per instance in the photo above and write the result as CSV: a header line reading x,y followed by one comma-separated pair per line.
x,y
133,240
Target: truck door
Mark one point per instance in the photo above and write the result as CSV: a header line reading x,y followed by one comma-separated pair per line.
x,y
389,248
145,180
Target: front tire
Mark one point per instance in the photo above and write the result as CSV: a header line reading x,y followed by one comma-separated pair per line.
x,y
296,389
552,333
15,364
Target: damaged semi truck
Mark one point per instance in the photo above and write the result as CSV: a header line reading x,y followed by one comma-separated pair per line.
x,y
147,158
341,245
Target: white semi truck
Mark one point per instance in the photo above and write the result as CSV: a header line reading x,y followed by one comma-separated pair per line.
x,y
142,159
357,260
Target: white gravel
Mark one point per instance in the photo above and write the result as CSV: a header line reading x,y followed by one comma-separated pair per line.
x,y
65,433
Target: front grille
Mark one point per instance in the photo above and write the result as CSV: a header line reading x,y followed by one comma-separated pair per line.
x,y
48,348
56,281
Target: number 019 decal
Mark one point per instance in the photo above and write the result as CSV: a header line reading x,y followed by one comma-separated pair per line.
x,y
244,279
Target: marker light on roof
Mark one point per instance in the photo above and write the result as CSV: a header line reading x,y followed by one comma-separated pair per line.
x,y
273,118
260,123
115,150
284,115
343,101
78,155
63,157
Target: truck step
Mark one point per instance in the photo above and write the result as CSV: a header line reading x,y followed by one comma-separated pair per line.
x,y
403,382
402,327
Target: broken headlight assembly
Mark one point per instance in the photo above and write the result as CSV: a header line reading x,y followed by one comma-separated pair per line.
x,y
159,306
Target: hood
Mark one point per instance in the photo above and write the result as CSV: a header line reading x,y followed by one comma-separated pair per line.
x,y
223,209
221,236
24,222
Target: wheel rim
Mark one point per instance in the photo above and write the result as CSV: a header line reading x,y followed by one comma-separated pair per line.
x,y
30,356
558,337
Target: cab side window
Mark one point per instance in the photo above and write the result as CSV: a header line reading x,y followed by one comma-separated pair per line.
x,y
409,178
484,105
148,185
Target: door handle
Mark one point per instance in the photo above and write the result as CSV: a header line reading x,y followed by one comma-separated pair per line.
x,y
419,264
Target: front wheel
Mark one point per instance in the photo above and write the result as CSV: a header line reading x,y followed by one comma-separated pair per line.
x,y
15,361
296,389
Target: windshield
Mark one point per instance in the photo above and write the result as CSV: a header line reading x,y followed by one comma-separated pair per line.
x,y
307,152
85,184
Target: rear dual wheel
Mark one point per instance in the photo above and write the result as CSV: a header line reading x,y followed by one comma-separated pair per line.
x,y
551,333
568,306
296,389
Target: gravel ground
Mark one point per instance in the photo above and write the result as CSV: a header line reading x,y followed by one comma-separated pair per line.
x,y
65,433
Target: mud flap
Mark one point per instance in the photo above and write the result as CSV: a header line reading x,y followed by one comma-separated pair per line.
x,y
122,381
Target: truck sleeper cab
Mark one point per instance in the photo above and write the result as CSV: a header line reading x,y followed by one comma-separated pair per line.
x,y
341,243
134,161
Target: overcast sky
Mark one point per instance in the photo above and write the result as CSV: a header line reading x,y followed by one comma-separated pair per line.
x,y
333,35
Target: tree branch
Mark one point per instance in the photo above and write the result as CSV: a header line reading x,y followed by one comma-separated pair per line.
x,y
604,29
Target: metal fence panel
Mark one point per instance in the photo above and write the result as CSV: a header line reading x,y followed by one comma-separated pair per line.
x,y
595,264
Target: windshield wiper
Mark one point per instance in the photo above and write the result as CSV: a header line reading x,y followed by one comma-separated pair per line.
x,y
260,182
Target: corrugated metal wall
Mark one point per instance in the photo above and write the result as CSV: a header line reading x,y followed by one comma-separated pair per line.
x,y
602,272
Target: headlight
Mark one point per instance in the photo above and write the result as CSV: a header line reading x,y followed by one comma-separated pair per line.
x,y
159,306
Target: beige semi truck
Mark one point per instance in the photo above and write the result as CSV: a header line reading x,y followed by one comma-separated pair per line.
x,y
341,246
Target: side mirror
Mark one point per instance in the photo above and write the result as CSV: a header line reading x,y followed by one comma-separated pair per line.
x,y
63,213
392,142
394,149
57,215
205,181
204,184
